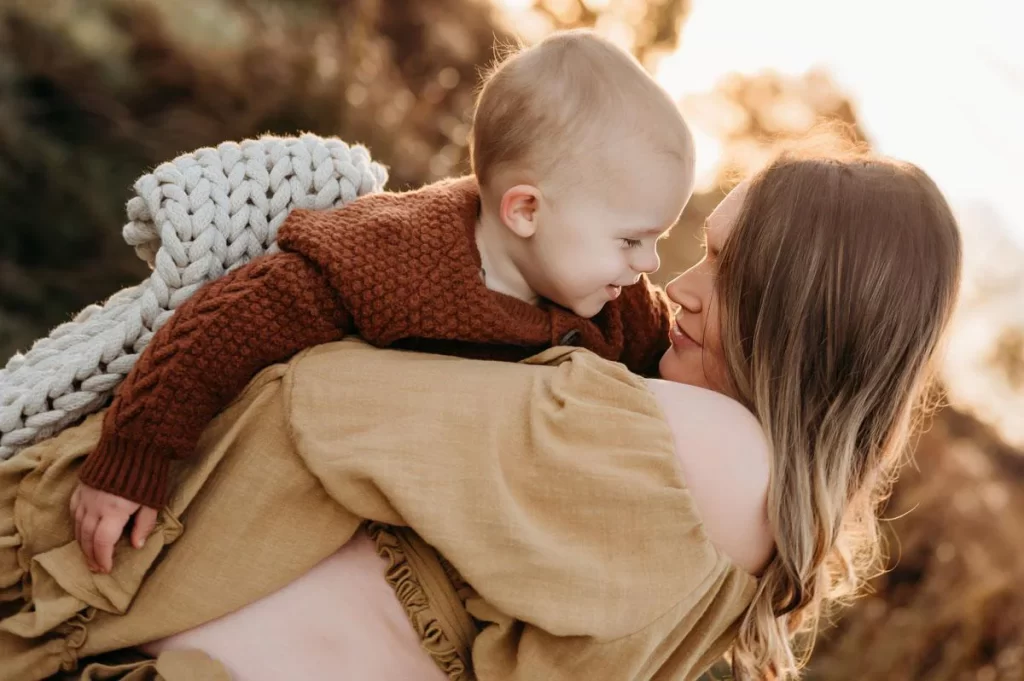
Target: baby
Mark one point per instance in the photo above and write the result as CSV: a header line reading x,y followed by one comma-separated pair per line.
x,y
581,163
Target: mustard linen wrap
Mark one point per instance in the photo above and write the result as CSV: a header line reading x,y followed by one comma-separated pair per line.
x,y
534,518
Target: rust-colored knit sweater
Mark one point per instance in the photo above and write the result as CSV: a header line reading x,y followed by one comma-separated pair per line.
x,y
399,269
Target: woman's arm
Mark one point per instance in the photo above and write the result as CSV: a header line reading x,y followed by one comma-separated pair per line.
x,y
555,491
724,458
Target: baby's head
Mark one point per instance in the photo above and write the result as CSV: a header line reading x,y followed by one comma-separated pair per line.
x,y
585,161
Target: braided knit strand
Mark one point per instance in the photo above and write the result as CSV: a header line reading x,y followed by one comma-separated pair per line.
x,y
192,220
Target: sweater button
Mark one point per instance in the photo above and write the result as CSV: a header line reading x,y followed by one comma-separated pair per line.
x,y
570,337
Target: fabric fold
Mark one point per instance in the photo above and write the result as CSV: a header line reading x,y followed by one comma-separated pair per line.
x,y
552,487
534,518
436,613
246,519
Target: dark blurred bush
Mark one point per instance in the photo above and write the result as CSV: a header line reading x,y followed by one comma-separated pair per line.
x,y
92,94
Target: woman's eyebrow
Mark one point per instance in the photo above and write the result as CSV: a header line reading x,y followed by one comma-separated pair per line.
x,y
713,250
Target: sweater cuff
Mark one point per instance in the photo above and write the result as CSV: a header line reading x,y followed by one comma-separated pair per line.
x,y
128,468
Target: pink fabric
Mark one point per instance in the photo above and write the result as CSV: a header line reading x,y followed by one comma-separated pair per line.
x,y
341,620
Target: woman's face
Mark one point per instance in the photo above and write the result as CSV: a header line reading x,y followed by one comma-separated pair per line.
x,y
696,355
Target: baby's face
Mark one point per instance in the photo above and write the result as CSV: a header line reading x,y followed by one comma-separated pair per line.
x,y
592,241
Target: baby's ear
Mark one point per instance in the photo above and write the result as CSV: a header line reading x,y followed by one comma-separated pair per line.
x,y
518,209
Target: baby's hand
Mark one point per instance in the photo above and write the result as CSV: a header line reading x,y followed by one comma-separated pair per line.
x,y
100,519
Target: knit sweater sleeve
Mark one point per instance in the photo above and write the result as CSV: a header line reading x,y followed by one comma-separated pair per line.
x,y
201,359
646,319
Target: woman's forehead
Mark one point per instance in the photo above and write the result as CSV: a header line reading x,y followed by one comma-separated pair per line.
x,y
719,224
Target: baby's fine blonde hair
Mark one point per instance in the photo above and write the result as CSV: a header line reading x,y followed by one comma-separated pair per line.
x,y
571,102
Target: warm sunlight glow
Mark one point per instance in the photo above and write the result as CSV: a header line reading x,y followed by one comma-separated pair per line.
x,y
942,86
938,84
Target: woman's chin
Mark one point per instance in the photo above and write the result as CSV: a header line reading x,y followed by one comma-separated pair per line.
x,y
672,368
678,367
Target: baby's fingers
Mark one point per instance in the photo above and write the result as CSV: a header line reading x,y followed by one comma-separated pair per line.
x,y
145,521
107,534
75,496
87,529
79,516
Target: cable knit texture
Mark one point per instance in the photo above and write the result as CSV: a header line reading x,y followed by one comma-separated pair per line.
x,y
191,220
399,269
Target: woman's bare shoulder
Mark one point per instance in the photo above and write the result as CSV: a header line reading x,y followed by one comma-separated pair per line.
x,y
724,457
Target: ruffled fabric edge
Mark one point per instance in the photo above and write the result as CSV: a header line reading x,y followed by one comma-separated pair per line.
x,y
415,601
59,631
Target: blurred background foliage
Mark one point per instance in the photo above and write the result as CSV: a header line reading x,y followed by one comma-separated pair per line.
x,y
95,93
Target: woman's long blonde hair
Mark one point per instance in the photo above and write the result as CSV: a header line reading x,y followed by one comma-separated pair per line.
x,y
836,286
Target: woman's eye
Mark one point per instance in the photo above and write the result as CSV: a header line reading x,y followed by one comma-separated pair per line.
x,y
632,243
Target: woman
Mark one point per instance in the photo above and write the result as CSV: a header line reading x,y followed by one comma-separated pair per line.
x,y
819,306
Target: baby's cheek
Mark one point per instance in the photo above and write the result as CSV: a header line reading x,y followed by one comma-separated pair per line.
x,y
579,280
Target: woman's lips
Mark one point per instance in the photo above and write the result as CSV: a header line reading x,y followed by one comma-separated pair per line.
x,y
613,291
680,339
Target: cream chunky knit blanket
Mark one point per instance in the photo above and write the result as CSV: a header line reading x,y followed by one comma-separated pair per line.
x,y
192,220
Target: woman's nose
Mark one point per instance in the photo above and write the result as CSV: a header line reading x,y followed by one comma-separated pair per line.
x,y
683,291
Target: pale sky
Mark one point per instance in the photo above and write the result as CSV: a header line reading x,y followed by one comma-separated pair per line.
x,y
938,84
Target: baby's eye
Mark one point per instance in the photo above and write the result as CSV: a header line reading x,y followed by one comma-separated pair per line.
x,y
632,243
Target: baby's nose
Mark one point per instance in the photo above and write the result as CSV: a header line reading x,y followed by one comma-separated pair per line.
x,y
647,263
